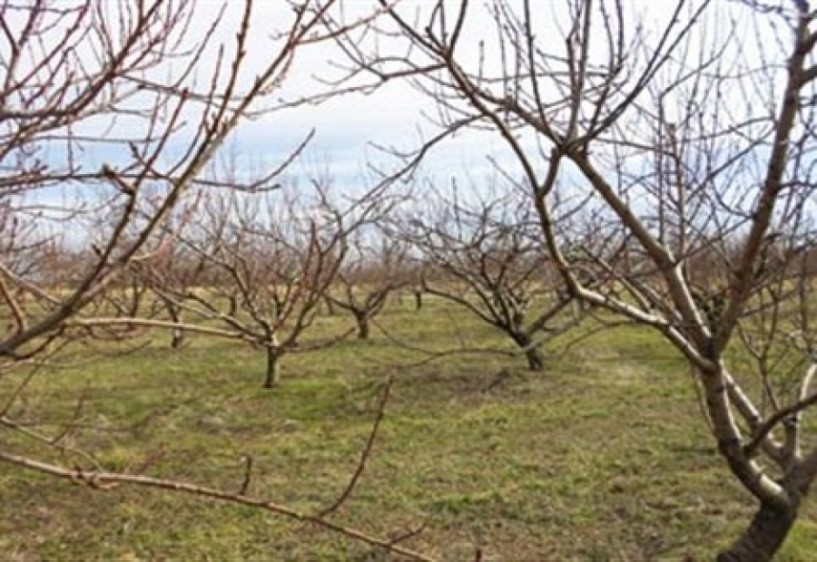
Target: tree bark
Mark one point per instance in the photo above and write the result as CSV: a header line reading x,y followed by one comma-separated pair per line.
x,y
273,373
533,355
362,320
535,360
177,335
764,536
330,306
418,299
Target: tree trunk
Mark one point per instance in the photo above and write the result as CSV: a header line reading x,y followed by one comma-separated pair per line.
x,y
535,360
273,375
763,538
177,334
534,356
418,299
362,320
330,306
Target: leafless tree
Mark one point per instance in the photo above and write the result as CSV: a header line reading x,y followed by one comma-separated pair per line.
x,y
121,106
486,256
172,269
687,140
373,269
267,263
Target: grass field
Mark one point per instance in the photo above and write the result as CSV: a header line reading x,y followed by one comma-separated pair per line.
x,y
605,456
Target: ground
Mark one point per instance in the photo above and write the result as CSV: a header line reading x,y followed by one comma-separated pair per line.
x,y
604,456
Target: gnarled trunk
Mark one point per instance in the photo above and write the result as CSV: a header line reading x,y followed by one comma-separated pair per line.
x,y
764,536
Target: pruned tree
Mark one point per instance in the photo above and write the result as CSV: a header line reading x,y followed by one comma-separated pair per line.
x,y
74,76
687,137
486,256
373,269
121,106
172,269
267,263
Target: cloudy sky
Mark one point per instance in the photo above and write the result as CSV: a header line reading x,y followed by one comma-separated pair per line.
x,y
348,127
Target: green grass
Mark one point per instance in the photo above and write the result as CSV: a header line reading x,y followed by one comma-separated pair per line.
x,y
604,456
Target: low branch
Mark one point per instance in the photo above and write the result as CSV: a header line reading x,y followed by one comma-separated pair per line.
x,y
98,479
149,323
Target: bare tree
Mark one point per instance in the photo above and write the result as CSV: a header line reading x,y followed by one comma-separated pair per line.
x,y
687,140
121,106
172,269
73,77
487,257
374,268
267,263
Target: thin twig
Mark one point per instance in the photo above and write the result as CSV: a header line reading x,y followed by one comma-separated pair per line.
x,y
766,427
364,455
98,479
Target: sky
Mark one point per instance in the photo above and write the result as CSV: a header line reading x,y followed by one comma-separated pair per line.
x,y
348,128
